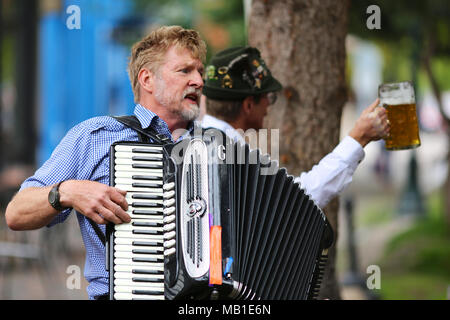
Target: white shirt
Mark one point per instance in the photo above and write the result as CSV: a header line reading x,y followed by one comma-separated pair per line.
x,y
326,179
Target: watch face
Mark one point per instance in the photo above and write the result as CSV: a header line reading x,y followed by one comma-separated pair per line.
x,y
53,197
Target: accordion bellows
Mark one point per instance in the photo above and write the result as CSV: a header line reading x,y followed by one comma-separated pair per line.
x,y
212,219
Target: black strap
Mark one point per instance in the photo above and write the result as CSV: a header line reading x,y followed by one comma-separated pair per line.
x,y
98,231
149,133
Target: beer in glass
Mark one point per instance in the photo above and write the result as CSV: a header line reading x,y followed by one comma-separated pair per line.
x,y
399,101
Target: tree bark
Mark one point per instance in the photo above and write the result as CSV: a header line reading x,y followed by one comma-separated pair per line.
x,y
303,43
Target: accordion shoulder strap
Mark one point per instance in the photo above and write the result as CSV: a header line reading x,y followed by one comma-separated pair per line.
x,y
97,230
133,123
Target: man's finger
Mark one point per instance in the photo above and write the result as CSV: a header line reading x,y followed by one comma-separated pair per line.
x,y
122,192
373,105
109,215
120,199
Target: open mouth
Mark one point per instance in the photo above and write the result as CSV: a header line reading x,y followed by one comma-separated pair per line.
x,y
192,97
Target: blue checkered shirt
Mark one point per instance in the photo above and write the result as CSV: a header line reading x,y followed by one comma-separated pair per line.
x,y
83,154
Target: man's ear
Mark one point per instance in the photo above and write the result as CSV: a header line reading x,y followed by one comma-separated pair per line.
x,y
146,80
247,106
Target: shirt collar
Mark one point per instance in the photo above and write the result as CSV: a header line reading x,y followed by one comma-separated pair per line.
x,y
148,118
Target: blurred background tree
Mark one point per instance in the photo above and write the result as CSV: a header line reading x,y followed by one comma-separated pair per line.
x,y
303,43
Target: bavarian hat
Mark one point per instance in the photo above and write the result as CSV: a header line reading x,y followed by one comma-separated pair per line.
x,y
237,73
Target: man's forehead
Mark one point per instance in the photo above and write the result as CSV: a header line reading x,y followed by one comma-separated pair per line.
x,y
179,56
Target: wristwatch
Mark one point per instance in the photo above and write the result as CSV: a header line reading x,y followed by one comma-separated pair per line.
x,y
53,197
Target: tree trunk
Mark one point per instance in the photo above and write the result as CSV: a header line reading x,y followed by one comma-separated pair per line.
x,y
303,43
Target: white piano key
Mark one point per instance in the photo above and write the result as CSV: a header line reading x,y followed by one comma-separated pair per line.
x,y
129,241
130,262
170,251
128,275
169,243
169,227
130,248
128,161
129,168
129,234
128,187
137,171
137,217
130,296
169,210
131,255
169,194
168,219
131,181
169,202
129,148
169,186
129,154
129,198
135,284
130,227
169,235
129,269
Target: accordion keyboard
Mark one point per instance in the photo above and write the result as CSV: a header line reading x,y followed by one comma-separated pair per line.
x,y
139,247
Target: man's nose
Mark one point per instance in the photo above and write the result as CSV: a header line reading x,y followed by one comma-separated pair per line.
x,y
197,80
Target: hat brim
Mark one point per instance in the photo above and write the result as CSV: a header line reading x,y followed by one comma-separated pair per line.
x,y
271,85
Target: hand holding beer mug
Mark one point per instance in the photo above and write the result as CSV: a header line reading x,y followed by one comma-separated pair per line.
x,y
399,101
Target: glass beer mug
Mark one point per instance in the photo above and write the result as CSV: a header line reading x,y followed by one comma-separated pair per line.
x,y
399,101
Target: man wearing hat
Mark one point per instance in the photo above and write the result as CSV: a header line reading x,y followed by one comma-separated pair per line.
x,y
239,88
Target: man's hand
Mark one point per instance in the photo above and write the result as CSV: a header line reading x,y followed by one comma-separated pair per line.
x,y
372,125
95,200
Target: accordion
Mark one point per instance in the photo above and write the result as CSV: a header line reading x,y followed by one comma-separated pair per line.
x,y
212,219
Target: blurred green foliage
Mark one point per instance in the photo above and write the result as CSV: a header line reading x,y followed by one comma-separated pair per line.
x,y
409,30
416,264
220,22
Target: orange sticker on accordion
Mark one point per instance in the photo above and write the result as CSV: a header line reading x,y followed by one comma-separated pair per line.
x,y
215,247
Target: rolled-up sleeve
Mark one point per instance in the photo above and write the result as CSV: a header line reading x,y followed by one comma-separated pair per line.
x,y
62,165
333,173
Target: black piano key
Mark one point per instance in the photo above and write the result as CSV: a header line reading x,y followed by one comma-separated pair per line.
x,y
147,243
142,271
137,279
144,150
147,224
146,212
146,185
143,158
146,205
150,232
146,166
151,259
147,251
147,196
145,177
148,292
